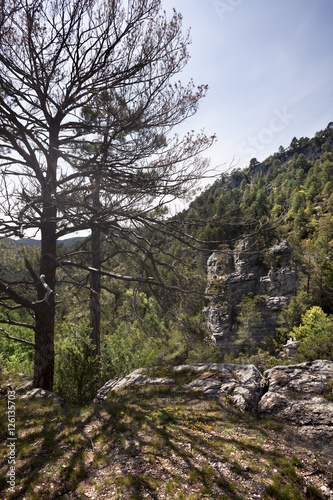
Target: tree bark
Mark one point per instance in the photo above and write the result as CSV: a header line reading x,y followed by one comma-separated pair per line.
x,y
45,313
95,291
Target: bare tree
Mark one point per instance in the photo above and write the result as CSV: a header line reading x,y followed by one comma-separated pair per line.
x,y
88,101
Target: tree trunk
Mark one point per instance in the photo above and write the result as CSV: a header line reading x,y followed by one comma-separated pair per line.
x,y
95,278
45,314
44,347
95,291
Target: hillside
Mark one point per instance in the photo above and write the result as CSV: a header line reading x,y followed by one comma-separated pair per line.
x,y
288,197
295,182
287,200
36,243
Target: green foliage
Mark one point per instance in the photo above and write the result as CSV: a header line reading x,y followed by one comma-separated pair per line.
x,y
316,336
291,315
289,181
195,342
16,356
127,349
154,340
249,318
76,368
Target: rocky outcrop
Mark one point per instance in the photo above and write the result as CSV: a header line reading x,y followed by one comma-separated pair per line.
x,y
137,377
301,395
42,393
242,384
244,274
296,392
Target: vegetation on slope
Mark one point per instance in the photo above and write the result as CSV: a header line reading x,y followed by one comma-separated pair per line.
x,y
288,196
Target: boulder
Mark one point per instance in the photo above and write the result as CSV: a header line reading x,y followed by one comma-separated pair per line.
x,y
301,394
243,384
42,393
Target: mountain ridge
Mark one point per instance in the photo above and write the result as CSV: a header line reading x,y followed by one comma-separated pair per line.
x,y
36,242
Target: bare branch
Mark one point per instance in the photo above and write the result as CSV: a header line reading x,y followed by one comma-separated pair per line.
x,y
16,297
17,323
134,279
16,339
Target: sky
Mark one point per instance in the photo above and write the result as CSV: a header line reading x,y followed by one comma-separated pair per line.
x,y
269,68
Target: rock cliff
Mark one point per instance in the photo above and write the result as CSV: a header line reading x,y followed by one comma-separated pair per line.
x,y
244,273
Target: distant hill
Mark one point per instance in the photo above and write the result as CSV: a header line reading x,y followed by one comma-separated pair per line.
x,y
36,243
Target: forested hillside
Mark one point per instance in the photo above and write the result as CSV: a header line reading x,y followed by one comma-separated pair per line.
x,y
294,183
288,196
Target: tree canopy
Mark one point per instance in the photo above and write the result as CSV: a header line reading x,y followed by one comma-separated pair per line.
x,y
88,102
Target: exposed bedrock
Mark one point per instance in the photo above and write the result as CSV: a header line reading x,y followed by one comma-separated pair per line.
x,y
244,273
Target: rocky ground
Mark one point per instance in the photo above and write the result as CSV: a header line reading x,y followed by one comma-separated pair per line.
x,y
192,432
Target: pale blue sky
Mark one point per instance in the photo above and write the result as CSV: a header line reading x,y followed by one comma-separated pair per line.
x,y
269,67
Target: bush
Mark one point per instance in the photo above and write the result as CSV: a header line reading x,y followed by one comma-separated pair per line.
x,y
127,349
316,336
16,356
76,368
156,342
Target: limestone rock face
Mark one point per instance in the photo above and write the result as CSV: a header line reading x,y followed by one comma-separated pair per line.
x,y
244,274
301,394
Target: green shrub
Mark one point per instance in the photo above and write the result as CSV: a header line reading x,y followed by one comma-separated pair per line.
x,y
17,356
154,341
76,367
316,336
127,349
